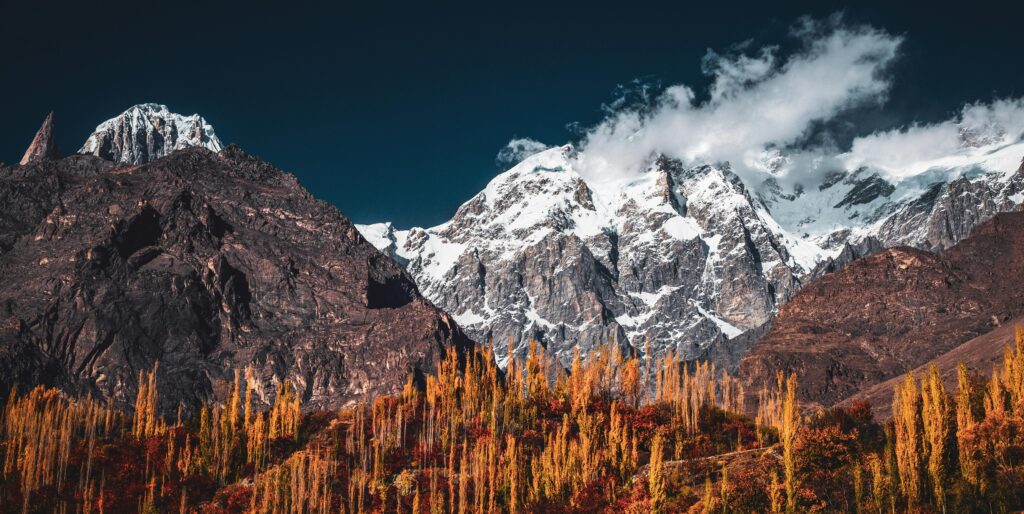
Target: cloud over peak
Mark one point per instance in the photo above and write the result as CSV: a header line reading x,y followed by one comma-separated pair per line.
x,y
913,149
758,102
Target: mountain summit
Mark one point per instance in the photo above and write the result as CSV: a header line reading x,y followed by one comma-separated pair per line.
x,y
147,132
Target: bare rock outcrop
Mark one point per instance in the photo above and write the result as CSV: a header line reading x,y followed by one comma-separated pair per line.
x,y
43,146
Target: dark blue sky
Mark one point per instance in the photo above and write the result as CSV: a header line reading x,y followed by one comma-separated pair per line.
x,y
396,112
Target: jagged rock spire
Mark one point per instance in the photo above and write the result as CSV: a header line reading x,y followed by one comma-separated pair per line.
x,y
43,146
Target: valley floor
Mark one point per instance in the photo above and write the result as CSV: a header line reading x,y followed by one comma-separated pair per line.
x,y
614,434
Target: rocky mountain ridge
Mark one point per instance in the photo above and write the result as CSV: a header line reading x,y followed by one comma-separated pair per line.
x,y
891,312
206,263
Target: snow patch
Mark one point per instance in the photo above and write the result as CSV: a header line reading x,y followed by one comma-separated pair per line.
x,y
728,329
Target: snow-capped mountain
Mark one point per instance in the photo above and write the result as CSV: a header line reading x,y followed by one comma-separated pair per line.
x,y
146,132
931,206
685,257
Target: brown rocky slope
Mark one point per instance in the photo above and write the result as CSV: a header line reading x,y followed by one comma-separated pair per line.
x,y
206,263
980,355
891,312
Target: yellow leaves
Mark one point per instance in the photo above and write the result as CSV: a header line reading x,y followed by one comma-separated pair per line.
x,y
907,420
632,385
231,431
774,494
922,423
286,414
591,439
512,465
536,373
480,441
621,444
301,484
256,440
464,481
881,487
147,421
656,473
788,433
689,390
39,431
936,417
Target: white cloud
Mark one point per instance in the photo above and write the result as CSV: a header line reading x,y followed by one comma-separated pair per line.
x,y
758,102
1006,115
895,151
518,149
979,128
763,106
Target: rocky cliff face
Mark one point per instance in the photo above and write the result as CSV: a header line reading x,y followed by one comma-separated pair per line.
x,y
147,132
888,313
206,263
684,257
688,257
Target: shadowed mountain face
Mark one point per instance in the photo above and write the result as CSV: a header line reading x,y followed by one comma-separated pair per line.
x,y
891,312
206,263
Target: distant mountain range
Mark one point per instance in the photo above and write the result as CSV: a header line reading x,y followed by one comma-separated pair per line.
x,y
680,258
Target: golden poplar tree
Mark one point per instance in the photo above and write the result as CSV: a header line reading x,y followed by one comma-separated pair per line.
x,y
790,426
965,422
656,474
908,437
936,415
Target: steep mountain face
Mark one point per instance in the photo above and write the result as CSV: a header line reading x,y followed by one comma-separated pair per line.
x,y
147,132
686,257
206,263
891,312
682,257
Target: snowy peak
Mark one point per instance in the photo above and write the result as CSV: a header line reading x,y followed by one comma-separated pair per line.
x,y
542,192
146,132
930,205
